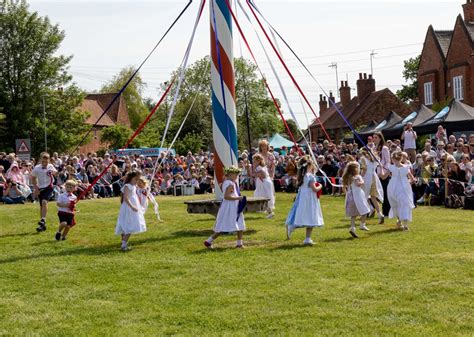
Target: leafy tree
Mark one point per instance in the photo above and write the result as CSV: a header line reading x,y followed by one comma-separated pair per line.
x,y
115,136
136,106
190,142
409,92
249,88
30,69
293,128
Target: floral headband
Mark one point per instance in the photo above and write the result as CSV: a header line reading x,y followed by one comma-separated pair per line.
x,y
231,169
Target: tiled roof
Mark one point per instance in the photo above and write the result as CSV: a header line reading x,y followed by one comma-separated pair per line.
x,y
470,29
444,39
96,105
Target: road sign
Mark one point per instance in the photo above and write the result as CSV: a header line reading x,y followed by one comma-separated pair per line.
x,y
23,149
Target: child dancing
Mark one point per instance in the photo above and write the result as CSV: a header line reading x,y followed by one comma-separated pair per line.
x,y
306,211
399,191
66,210
372,185
130,219
145,196
263,184
356,201
228,220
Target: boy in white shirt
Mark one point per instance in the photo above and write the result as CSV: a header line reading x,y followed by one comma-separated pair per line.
x,y
42,178
66,210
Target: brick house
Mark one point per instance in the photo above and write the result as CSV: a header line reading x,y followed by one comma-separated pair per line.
x,y
95,105
369,106
446,68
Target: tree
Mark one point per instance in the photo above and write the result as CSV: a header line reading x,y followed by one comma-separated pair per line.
x,y
409,92
249,88
30,69
136,106
293,128
191,142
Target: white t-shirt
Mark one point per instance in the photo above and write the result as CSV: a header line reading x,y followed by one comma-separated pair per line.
x,y
409,140
65,198
44,175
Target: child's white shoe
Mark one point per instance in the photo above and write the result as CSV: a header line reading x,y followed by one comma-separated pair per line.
x,y
270,215
363,227
308,242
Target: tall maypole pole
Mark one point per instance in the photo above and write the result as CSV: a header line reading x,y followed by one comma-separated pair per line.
x,y
224,122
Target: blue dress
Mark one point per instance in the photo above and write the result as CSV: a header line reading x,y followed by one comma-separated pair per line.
x,y
306,210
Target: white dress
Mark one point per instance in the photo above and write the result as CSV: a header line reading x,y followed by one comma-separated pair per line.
x,y
144,196
356,201
400,194
306,210
130,222
264,187
226,221
370,177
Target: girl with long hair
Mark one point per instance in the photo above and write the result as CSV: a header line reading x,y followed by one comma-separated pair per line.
x,y
372,186
264,184
383,153
131,219
306,211
356,200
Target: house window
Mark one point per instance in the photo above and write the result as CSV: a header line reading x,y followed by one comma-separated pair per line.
x,y
429,93
458,88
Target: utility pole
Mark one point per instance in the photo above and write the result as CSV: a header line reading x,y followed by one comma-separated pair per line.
x,y
44,124
334,66
372,55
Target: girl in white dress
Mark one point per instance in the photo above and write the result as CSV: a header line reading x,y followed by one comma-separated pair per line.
x,y
372,186
306,210
145,196
399,191
263,184
130,219
356,201
228,220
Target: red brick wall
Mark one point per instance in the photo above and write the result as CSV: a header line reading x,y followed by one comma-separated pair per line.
x,y
431,69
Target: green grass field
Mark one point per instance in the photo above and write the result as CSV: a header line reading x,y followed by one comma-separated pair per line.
x,y
417,283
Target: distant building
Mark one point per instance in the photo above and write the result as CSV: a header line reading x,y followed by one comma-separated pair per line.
x,y
369,105
96,104
446,67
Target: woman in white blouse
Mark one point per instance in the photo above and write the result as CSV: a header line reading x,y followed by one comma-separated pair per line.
x,y
383,153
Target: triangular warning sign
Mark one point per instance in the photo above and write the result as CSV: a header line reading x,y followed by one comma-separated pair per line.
x,y
23,147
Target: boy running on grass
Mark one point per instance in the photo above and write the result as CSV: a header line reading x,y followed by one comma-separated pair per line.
x,y
66,204
42,178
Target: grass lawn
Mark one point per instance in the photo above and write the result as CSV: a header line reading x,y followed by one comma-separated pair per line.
x,y
385,283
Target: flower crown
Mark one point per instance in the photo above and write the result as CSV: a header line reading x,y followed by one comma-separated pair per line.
x,y
231,169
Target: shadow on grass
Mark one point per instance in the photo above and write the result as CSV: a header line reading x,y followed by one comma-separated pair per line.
x,y
91,251
214,219
18,235
340,239
385,231
291,246
204,233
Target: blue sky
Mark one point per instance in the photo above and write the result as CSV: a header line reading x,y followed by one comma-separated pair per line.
x,y
106,35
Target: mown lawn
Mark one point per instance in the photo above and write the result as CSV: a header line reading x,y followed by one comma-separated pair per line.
x,y
385,283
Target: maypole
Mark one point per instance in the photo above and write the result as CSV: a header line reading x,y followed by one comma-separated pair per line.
x,y
224,125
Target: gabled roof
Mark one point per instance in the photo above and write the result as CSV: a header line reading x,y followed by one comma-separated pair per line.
x,y
456,111
369,126
443,38
424,113
96,104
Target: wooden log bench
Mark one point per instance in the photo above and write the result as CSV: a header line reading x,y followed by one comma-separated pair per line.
x,y
212,206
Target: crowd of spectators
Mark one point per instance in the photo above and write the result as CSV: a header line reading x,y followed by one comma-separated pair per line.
x,y
440,157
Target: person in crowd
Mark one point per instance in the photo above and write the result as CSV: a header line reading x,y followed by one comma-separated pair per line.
x,y
268,157
3,180
399,191
356,200
12,193
42,178
263,184
459,152
66,210
409,138
131,219
306,211
229,219
441,135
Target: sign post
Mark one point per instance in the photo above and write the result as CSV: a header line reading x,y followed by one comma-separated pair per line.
x,y
23,148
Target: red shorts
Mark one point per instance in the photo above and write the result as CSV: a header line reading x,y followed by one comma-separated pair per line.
x,y
68,218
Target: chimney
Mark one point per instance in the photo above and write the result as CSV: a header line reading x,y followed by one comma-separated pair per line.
x,y
468,8
332,99
365,86
345,93
323,104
